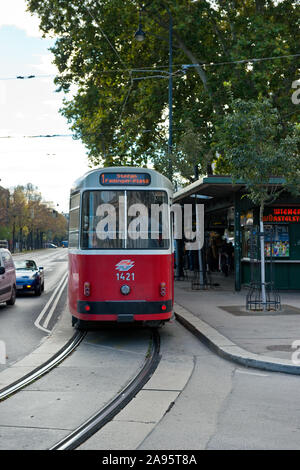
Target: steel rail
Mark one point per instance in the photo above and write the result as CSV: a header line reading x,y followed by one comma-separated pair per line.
x,y
106,414
43,368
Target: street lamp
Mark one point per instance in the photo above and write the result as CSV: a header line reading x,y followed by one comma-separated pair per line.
x,y
140,36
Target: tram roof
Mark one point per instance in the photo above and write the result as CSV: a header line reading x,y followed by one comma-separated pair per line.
x,y
91,178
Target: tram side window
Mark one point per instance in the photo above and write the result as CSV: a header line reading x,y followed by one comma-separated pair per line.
x,y
74,221
102,227
148,220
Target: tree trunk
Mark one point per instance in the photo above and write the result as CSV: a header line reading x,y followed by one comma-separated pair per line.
x,y
209,169
21,239
262,257
14,237
259,6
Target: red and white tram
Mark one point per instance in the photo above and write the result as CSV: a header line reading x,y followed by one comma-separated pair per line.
x,y
120,247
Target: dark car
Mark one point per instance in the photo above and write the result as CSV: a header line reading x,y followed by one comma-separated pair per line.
x,y
29,277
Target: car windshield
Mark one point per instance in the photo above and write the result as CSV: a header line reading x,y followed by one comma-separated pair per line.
x,y
25,264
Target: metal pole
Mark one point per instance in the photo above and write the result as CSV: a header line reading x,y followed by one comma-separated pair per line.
x,y
170,96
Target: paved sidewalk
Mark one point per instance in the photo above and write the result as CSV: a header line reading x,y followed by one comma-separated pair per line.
x,y
252,338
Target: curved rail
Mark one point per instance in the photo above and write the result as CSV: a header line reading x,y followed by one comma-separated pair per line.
x,y
44,368
97,421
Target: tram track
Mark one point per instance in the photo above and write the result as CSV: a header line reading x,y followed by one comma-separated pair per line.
x,y
106,414
44,368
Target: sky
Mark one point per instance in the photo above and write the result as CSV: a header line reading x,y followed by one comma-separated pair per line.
x,y
29,108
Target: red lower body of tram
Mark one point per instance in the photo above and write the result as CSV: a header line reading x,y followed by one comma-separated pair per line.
x,y
121,288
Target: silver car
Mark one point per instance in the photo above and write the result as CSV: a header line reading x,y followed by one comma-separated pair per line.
x,y
7,278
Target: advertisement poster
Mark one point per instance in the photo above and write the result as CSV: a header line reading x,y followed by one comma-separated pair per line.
x,y
280,241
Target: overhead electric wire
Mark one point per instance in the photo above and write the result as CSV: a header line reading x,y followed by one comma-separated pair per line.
x,y
104,35
242,61
34,136
28,77
126,98
151,69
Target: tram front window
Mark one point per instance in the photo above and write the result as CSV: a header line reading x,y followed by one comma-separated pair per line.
x,y
124,220
148,220
100,220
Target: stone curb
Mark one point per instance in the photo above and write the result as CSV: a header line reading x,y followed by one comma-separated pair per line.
x,y
229,350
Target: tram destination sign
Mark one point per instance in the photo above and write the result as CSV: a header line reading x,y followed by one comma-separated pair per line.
x,y
125,179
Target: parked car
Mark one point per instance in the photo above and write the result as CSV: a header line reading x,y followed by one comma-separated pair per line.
x,y
4,244
50,245
7,277
29,277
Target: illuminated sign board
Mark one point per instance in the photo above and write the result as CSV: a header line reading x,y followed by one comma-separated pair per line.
x,y
282,214
125,179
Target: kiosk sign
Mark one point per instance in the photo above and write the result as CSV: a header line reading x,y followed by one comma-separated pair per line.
x,y
282,215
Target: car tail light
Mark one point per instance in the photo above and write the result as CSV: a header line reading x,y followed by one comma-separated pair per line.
x,y
163,289
87,289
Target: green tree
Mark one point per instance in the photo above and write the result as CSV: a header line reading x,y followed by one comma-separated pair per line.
x,y
192,152
18,215
258,150
4,205
119,115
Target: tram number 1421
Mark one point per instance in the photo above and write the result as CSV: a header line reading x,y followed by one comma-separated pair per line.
x,y
125,276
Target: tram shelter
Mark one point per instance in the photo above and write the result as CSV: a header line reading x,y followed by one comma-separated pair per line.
x,y
229,217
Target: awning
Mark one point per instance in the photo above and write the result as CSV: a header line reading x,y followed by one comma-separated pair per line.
x,y
213,186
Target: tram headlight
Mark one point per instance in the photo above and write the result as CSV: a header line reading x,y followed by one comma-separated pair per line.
x,y
125,289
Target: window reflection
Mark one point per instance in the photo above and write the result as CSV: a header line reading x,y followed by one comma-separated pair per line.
x,y
125,220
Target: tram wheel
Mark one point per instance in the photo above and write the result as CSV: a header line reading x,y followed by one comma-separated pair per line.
x,y
154,323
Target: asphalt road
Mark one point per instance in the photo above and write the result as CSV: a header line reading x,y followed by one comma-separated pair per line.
x,y
17,323
225,406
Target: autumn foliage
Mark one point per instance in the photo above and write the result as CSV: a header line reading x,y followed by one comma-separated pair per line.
x,y
26,221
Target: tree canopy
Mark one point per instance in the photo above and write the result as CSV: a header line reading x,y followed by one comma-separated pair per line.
x,y
119,106
258,150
